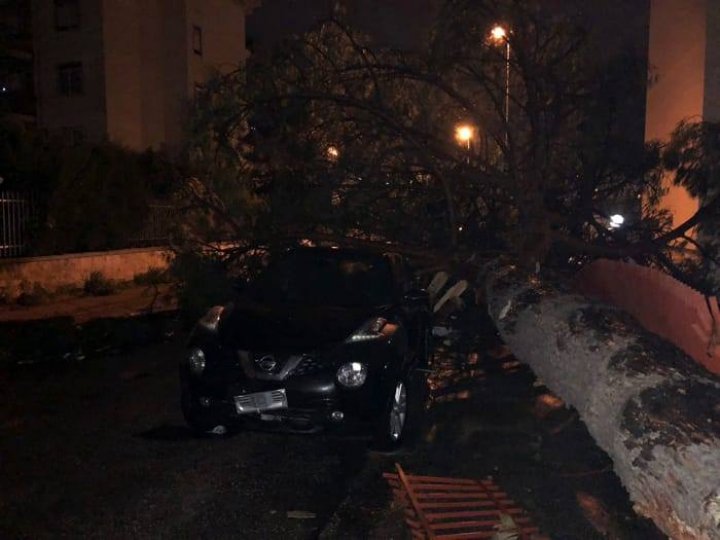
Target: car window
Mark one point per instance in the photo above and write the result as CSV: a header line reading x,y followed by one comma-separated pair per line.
x,y
318,278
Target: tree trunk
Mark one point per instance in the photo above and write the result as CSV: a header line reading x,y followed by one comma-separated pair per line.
x,y
647,404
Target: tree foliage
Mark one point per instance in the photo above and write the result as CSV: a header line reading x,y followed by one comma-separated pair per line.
x,y
102,197
335,136
90,197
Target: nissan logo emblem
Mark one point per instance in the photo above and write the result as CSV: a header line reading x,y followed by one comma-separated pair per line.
x,y
267,363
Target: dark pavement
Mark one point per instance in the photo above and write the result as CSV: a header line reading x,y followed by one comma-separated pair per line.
x,y
97,448
100,450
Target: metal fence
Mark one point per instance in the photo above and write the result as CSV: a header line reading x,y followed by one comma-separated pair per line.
x,y
19,214
158,226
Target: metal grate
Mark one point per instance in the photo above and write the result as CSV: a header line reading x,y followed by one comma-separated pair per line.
x,y
18,216
455,508
158,226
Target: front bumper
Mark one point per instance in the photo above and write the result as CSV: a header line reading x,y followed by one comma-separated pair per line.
x,y
315,400
326,417
314,403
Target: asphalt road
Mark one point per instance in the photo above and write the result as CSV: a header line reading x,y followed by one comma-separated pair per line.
x,y
100,450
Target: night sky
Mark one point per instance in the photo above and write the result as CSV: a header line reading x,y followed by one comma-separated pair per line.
x,y
613,26
405,23
400,23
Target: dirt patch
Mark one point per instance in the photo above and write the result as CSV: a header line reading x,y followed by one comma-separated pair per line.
x,y
135,300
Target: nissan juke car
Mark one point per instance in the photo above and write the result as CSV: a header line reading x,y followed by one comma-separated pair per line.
x,y
323,339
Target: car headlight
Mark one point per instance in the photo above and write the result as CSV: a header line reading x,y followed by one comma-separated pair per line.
x,y
352,374
369,331
196,361
211,319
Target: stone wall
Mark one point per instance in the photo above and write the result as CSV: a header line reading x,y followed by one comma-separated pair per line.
x,y
57,271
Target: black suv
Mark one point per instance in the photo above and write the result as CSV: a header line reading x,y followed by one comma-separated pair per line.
x,y
324,338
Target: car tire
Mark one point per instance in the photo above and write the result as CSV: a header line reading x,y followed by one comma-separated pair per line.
x,y
199,420
394,428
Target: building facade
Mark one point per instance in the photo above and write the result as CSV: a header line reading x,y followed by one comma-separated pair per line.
x,y
126,70
684,60
17,88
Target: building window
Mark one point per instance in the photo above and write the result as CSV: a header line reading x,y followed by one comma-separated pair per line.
x,y
70,79
197,44
73,135
67,14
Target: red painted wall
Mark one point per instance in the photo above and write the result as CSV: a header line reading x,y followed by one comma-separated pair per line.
x,y
663,305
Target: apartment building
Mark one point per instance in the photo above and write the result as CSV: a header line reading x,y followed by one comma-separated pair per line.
x,y
17,89
684,60
126,70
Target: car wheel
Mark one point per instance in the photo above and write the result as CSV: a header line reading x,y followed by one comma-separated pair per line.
x,y
393,427
198,419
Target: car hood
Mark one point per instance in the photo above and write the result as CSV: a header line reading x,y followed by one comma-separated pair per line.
x,y
256,327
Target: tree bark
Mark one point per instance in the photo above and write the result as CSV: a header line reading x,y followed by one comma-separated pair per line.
x,y
648,405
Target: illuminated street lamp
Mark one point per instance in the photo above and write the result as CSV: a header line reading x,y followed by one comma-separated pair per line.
x,y
616,221
333,153
464,134
499,35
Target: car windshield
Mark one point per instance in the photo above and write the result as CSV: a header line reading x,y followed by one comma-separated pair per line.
x,y
326,279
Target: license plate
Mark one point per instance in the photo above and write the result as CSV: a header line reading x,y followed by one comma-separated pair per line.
x,y
261,401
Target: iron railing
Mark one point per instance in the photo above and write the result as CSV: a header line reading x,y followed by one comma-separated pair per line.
x,y
157,228
19,213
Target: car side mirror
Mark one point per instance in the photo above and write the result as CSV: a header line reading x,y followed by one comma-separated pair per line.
x,y
417,297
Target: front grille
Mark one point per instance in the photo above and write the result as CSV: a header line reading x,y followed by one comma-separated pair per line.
x,y
266,366
307,366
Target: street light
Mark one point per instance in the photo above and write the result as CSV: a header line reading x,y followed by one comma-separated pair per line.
x,y
499,35
616,221
333,153
464,134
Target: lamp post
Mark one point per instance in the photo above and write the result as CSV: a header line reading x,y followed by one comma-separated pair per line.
x,y
465,133
499,35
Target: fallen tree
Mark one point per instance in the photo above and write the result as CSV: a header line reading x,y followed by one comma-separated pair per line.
x,y
648,405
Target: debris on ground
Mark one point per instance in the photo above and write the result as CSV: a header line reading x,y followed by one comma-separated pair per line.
x,y
441,508
487,416
218,430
